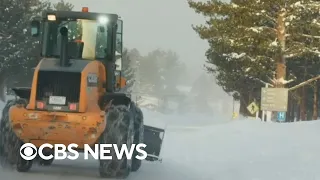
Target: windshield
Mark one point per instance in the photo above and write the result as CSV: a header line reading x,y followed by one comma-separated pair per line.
x,y
87,33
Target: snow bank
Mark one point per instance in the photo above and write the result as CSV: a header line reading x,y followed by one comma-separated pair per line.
x,y
249,149
222,149
187,121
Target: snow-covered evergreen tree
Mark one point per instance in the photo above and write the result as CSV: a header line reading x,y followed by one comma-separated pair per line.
x,y
128,70
160,72
63,6
135,57
149,74
248,38
18,52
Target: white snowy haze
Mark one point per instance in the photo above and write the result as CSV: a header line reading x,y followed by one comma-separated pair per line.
x,y
165,24
151,24
201,142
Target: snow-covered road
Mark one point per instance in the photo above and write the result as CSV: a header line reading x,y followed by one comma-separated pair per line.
x,y
215,150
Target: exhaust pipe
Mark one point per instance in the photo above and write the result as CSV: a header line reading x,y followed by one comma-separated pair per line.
x,y
64,59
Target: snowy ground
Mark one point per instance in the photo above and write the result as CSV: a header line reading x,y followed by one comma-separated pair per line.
x,y
216,149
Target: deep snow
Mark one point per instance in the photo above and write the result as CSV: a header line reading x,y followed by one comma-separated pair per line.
x,y
214,149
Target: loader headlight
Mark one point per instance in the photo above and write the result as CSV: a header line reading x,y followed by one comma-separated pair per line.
x,y
103,20
51,17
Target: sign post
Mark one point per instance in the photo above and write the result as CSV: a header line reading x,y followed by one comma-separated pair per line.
x,y
264,112
281,116
253,108
275,99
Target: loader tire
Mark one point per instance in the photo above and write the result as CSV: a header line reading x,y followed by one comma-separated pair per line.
x,y
138,138
44,162
119,130
9,142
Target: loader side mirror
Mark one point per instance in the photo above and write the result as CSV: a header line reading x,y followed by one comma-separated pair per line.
x,y
35,28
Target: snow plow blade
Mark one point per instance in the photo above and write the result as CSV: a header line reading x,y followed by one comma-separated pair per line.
x,y
153,138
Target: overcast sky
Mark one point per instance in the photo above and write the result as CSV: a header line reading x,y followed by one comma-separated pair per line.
x,y
151,24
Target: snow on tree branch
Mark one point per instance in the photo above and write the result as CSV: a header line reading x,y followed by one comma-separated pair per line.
x,y
259,29
310,36
264,14
303,51
281,81
243,55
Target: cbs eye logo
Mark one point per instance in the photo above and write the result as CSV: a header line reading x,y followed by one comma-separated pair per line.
x,y
28,151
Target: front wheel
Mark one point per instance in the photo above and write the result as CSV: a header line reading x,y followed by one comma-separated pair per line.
x,y
138,138
23,165
119,131
9,142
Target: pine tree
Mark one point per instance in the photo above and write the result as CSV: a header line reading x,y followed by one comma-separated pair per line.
x,y
172,71
202,90
159,72
128,70
18,52
148,72
135,57
63,6
249,39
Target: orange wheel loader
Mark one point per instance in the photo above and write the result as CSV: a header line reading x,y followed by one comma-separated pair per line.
x,y
74,96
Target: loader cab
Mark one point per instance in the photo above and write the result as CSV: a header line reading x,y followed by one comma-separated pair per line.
x,y
90,36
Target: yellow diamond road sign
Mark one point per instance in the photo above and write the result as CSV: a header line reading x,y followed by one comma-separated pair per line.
x,y
253,108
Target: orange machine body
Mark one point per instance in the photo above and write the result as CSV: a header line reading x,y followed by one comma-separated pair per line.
x,y
82,127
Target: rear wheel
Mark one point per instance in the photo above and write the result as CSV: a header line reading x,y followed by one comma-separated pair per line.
x,y
43,162
9,142
46,162
119,130
138,137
